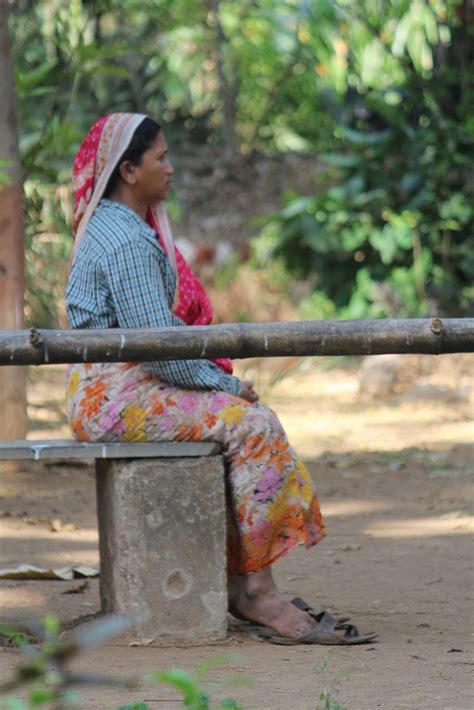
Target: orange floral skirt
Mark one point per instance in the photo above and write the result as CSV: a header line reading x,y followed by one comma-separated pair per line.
x,y
273,505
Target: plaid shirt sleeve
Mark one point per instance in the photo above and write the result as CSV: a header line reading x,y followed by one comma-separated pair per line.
x,y
135,282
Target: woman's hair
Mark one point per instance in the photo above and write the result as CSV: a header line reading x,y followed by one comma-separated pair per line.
x,y
143,138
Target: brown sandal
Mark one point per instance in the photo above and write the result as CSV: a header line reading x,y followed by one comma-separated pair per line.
x,y
324,632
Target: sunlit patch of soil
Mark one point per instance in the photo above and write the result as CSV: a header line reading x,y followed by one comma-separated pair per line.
x,y
322,409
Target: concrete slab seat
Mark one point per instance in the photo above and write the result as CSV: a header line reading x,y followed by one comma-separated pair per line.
x,y
162,532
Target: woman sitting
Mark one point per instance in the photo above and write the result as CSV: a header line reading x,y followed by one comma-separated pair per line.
x,y
127,273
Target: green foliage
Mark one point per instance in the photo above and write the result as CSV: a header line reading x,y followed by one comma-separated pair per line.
x,y
380,89
48,247
390,233
46,669
191,686
12,635
52,681
81,59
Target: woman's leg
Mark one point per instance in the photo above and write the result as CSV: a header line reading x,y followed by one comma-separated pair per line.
x,y
255,597
272,503
271,493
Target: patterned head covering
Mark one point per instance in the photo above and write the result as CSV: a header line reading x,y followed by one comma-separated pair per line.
x,y
95,162
93,165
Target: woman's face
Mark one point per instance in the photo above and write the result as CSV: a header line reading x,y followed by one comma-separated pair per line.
x,y
152,178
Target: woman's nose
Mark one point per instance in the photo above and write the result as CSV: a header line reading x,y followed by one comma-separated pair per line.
x,y
169,168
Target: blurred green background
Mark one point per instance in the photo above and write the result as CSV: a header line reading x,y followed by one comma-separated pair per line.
x,y
379,91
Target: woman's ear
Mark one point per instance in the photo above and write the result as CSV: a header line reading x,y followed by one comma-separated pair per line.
x,y
127,172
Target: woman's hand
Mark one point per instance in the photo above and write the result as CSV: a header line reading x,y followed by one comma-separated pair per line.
x,y
247,392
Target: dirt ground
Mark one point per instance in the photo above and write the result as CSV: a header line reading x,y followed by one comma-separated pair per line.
x,y
395,479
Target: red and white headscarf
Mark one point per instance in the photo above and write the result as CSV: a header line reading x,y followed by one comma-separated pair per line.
x,y
93,165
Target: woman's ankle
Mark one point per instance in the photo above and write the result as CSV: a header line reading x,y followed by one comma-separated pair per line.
x,y
259,583
241,587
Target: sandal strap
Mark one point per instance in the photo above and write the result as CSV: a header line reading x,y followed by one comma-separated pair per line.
x,y
300,603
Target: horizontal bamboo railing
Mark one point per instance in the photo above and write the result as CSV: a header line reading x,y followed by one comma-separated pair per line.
x,y
238,340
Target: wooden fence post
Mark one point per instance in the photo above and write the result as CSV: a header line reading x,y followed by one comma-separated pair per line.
x,y
12,278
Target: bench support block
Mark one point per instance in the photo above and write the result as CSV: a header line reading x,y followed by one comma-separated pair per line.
x,y
162,539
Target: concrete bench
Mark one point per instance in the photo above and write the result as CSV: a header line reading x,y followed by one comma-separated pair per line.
x,y
162,532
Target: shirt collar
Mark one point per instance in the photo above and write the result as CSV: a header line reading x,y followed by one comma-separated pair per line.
x,y
121,207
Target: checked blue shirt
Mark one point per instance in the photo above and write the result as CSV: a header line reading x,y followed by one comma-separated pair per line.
x,y
121,278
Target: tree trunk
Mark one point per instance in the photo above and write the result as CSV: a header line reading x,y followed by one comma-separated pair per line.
x,y
12,277
228,84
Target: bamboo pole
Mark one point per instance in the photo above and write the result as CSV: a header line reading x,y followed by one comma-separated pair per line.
x,y
238,340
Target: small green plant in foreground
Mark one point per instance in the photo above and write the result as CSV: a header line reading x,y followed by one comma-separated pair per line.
x,y
46,663
330,692
46,669
193,695
191,688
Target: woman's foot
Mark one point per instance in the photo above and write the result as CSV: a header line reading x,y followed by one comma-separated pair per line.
x,y
254,597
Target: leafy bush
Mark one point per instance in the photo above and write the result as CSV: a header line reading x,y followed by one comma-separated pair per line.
x,y
390,232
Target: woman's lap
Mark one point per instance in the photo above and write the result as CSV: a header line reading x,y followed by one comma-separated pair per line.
x,y
274,506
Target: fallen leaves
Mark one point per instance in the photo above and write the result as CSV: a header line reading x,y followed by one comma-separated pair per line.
x,y
20,518
80,589
56,525
62,573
